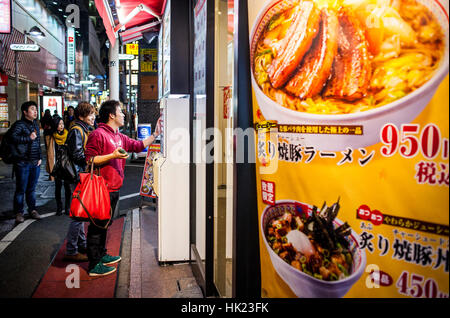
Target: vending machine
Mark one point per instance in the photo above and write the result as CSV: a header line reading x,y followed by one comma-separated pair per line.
x,y
171,180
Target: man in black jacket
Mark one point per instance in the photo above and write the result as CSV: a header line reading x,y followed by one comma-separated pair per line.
x,y
25,135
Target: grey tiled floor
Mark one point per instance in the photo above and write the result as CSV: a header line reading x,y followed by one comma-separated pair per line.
x,y
171,281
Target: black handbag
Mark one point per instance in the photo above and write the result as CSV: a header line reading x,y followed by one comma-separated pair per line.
x,y
64,168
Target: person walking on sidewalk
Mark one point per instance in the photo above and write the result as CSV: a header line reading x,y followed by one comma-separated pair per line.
x,y
76,144
69,117
106,146
58,138
47,126
26,136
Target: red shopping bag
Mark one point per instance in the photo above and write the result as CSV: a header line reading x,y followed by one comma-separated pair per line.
x,y
90,199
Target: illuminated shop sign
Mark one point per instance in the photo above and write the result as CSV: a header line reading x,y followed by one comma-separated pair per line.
x,y
132,49
70,50
25,47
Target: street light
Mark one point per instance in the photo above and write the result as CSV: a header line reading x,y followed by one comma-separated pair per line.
x,y
35,32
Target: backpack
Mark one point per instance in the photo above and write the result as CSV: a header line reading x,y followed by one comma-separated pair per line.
x,y
8,150
83,134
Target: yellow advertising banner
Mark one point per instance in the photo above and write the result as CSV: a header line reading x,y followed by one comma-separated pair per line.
x,y
132,49
351,108
149,60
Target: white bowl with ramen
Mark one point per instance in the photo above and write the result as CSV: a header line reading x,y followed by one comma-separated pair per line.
x,y
302,284
401,111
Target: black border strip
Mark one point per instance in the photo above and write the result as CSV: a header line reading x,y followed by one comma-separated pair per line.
x,y
246,261
210,289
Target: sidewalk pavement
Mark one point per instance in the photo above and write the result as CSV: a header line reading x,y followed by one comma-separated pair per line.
x,y
142,276
45,189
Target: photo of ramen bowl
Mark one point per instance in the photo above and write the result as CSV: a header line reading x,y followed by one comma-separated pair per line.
x,y
323,65
308,265
145,189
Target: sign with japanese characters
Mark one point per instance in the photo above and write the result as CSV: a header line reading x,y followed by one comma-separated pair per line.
x,y
52,103
132,48
71,50
352,147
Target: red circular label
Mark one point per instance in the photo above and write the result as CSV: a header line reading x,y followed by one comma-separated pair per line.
x,y
364,212
376,217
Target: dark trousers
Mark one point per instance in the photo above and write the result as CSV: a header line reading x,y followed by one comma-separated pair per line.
x,y
27,176
96,236
67,194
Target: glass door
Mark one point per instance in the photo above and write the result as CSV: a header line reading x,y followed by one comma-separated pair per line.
x,y
223,146
198,168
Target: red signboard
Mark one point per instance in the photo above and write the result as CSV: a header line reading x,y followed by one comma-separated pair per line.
x,y
4,116
3,79
5,16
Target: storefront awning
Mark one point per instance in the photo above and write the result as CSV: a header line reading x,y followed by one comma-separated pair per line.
x,y
130,18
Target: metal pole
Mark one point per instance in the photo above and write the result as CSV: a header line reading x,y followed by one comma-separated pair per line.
x,y
16,66
129,98
114,71
129,78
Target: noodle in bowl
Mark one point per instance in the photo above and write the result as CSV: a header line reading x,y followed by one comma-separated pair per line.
x,y
302,284
398,112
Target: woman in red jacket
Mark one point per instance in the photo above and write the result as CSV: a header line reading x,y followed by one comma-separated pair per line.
x,y
105,145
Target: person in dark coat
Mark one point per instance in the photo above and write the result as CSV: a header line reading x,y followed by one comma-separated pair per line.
x,y
26,136
69,117
76,144
58,139
46,123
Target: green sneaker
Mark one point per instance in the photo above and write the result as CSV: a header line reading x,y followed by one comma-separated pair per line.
x,y
108,259
101,270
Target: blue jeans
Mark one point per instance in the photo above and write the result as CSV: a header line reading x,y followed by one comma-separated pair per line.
x,y
27,175
76,236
